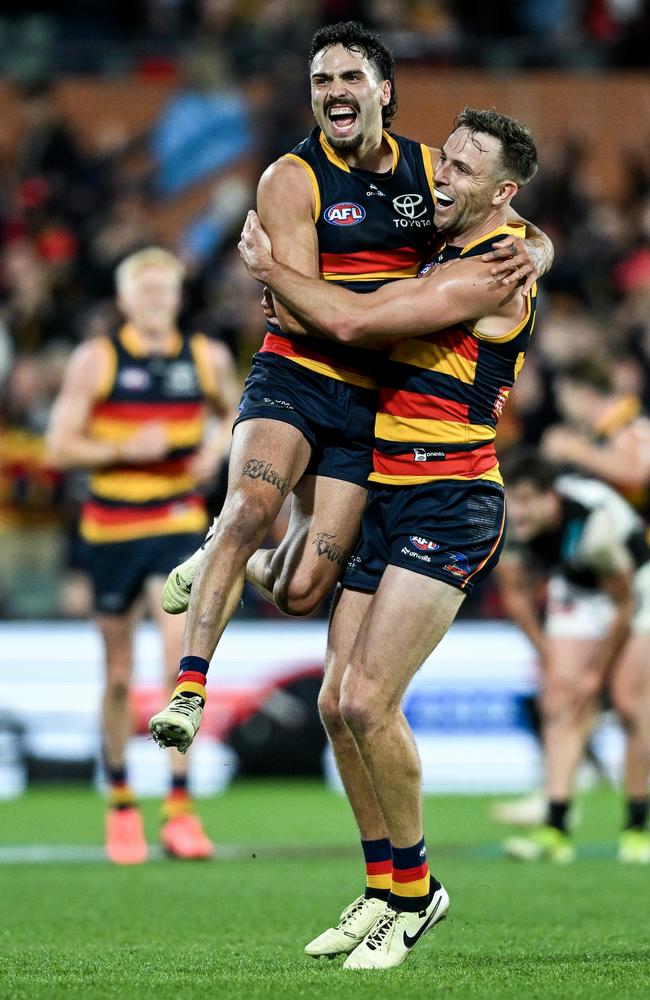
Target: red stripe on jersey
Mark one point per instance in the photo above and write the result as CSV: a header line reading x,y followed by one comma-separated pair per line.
x,y
467,464
458,340
128,515
148,411
410,874
172,467
289,349
379,867
364,261
401,403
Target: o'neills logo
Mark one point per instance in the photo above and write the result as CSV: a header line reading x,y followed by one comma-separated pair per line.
x,y
345,213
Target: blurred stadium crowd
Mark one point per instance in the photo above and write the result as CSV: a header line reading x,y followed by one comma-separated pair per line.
x,y
71,209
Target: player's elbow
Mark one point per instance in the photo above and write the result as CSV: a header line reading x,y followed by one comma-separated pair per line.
x,y
348,328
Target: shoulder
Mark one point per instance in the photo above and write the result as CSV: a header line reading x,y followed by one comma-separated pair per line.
x,y
288,175
91,367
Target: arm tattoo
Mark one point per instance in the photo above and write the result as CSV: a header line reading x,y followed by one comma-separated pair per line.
x,y
257,468
326,546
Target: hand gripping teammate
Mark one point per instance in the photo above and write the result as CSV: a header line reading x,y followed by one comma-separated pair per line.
x,y
434,522
354,203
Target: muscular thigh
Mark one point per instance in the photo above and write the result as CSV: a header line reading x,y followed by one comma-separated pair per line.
x,y
568,662
630,677
323,529
267,459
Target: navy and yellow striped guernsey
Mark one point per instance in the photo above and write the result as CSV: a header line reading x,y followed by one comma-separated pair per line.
x,y
131,501
372,228
442,394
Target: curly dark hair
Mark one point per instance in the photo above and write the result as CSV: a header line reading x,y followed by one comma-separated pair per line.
x,y
353,36
518,150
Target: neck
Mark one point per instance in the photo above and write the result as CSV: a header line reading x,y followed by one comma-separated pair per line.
x,y
374,154
495,220
154,338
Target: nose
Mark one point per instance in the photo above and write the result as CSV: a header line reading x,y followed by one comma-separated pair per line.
x,y
441,175
338,88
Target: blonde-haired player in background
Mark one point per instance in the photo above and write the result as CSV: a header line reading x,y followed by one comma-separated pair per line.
x,y
133,411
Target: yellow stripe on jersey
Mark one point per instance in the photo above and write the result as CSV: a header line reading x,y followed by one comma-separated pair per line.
x,y
179,433
108,378
131,486
194,520
511,333
353,378
434,357
312,178
200,348
411,272
428,169
391,428
510,229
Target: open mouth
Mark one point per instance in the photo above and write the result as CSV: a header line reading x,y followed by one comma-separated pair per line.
x,y
342,118
443,200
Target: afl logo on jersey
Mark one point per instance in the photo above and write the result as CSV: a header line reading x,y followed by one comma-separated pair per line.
x,y
345,213
424,544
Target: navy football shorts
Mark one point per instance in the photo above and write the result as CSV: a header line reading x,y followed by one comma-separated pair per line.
x,y
336,418
119,570
450,530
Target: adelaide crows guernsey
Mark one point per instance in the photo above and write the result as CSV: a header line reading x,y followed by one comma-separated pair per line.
x,y
127,500
442,394
372,228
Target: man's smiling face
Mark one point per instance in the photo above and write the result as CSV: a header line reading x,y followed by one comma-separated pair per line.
x,y
467,178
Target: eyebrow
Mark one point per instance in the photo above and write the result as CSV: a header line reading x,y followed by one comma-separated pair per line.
x,y
453,159
330,76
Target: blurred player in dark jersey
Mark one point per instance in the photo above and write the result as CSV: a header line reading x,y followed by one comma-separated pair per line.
x,y
133,410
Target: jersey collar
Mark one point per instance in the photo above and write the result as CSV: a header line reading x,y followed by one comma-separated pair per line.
x,y
133,342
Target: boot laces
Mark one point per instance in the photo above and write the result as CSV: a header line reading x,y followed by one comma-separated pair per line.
x,y
184,704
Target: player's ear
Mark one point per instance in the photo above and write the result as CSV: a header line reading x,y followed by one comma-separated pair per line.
x,y
504,193
386,91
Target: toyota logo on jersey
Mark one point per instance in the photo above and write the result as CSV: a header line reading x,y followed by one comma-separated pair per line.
x,y
345,213
410,205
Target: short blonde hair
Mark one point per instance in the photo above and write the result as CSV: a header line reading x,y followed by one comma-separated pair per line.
x,y
149,257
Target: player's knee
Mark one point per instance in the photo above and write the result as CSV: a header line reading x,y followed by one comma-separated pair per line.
x,y
330,710
117,686
300,593
243,523
360,714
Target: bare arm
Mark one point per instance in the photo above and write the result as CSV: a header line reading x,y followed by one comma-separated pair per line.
x,y
518,596
223,403
624,461
458,291
286,207
69,441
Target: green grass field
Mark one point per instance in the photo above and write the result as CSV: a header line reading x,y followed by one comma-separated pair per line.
x,y
236,927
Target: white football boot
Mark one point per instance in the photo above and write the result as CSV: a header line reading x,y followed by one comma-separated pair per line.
x,y
356,921
396,933
178,585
